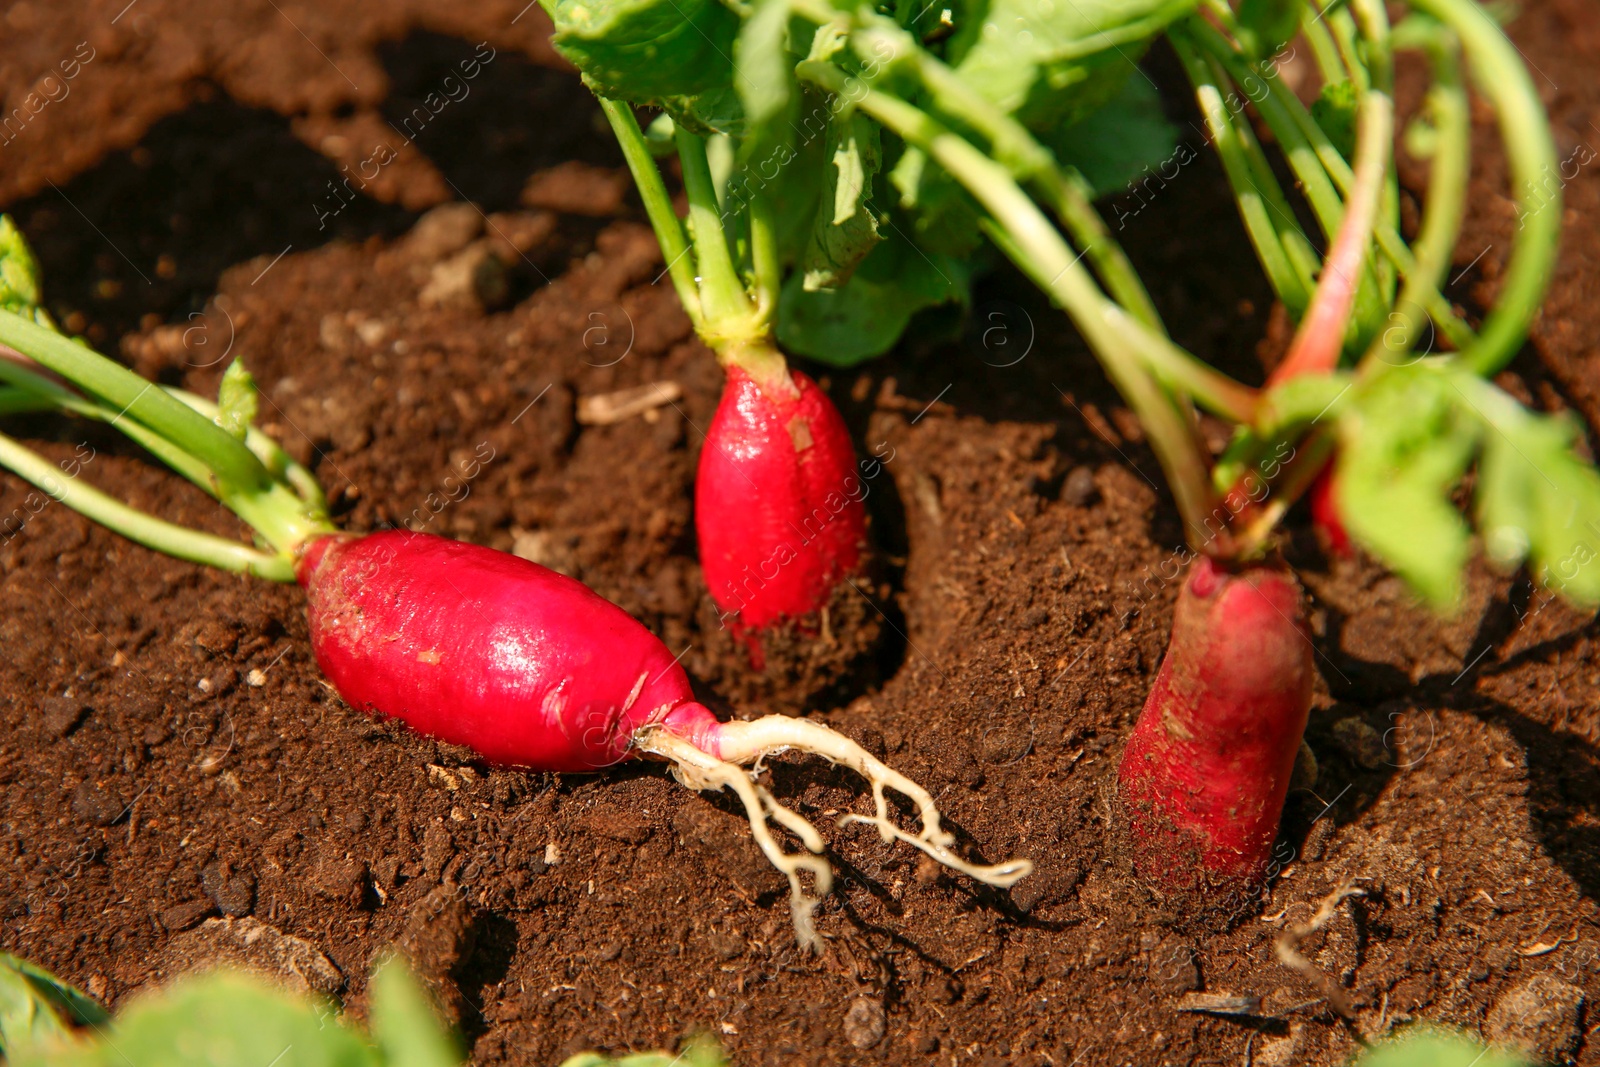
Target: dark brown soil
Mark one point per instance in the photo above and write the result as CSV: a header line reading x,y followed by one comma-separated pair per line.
x,y
173,755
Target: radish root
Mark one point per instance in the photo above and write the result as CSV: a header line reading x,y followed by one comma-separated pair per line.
x,y
699,771
748,742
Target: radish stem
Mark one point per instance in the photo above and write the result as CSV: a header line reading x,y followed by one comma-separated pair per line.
x,y
136,525
657,205
1535,176
133,397
1320,337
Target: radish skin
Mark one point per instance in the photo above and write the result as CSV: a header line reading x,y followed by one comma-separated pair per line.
x,y
778,502
533,669
1204,777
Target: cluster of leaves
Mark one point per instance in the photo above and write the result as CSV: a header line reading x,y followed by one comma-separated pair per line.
x,y
222,1017
230,1019
1408,438
870,232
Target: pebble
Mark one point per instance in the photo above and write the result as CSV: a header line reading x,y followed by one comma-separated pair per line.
x,y
95,805
234,892
1539,1016
187,916
446,229
63,714
864,1023
1360,742
1079,489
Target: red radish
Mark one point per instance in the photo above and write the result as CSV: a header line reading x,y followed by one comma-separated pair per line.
x,y
778,501
532,669
1203,779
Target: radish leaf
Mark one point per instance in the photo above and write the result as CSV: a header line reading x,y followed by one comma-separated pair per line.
x,y
864,317
405,1026
1404,447
647,50
1049,61
1119,143
239,1022
37,1007
1538,501
846,228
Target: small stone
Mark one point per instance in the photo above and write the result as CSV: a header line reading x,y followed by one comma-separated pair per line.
x,y
437,849
343,880
1079,489
256,678
234,892
63,714
473,279
864,1023
1173,967
1538,1016
182,917
95,805
727,946
293,962
445,230
1360,742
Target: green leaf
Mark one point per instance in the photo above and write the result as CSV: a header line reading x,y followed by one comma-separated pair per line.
x,y
764,73
717,110
222,1019
237,400
846,227
647,50
36,1007
943,216
20,288
1335,111
1432,1047
1404,446
405,1024
1127,139
866,316
1536,500
1055,61
1265,26
702,1051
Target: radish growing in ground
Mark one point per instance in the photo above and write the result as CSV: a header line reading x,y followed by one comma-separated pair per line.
x,y
778,501
476,647
1203,779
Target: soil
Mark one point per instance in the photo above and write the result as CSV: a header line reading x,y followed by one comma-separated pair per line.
x,y
178,780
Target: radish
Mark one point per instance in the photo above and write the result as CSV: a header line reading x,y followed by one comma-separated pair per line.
x,y
1204,776
779,500
476,647
778,504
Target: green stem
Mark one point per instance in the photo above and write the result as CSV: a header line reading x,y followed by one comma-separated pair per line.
x,y
1301,129
137,526
1442,211
1044,254
1320,337
766,271
1345,36
1176,368
1315,184
657,204
1258,203
722,295
279,463
236,468
1323,49
1535,174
